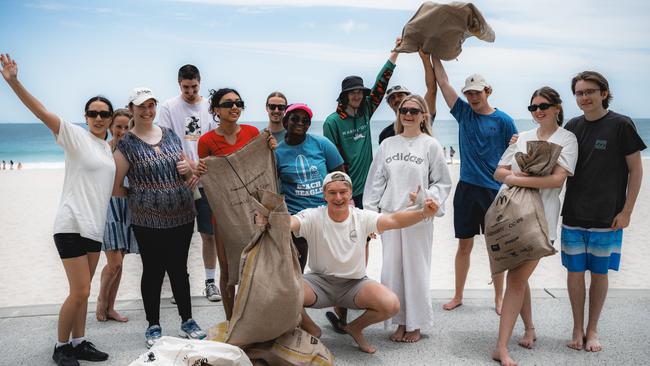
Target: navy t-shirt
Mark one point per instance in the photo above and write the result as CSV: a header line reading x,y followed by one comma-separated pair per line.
x,y
596,192
482,140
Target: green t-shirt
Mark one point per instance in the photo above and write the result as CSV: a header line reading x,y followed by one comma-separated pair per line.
x,y
351,134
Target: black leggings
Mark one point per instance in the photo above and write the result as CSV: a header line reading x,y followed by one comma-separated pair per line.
x,y
164,250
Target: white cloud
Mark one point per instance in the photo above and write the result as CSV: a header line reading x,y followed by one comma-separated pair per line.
x,y
350,26
368,4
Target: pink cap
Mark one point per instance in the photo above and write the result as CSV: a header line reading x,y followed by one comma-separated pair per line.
x,y
301,106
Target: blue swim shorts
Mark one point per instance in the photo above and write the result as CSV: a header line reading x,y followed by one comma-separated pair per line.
x,y
596,250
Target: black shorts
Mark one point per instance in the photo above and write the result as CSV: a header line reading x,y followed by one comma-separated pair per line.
x,y
471,202
72,245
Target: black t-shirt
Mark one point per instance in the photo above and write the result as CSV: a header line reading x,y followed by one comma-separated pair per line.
x,y
596,193
390,130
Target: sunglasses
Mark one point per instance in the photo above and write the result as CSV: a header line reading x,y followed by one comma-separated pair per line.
x,y
230,104
94,114
586,92
411,111
295,119
541,106
280,107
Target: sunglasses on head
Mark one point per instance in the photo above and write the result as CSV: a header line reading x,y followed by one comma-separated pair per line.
x,y
295,119
541,106
280,107
411,111
94,114
230,104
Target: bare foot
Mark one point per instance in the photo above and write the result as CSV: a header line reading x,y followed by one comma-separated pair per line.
x,y
529,338
503,357
498,303
577,342
359,338
453,304
398,336
412,337
592,344
114,315
100,311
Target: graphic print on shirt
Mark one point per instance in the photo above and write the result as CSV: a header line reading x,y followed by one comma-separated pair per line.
x,y
600,145
192,128
310,180
408,157
356,133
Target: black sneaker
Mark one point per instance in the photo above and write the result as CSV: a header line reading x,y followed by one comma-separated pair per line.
x,y
64,356
87,351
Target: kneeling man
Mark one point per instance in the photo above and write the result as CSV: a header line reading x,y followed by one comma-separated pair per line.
x,y
336,234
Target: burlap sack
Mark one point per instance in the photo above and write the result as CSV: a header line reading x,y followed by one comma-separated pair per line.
x,y
294,348
270,295
516,230
230,199
441,29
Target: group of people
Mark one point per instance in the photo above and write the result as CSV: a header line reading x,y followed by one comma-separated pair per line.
x,y
11,165
140,192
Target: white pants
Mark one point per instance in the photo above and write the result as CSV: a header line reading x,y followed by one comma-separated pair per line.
x,y
406,270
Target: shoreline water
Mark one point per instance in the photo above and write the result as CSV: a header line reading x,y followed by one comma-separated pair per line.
x,y
32,272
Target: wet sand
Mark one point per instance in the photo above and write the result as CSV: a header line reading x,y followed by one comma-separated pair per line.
x,y
32,274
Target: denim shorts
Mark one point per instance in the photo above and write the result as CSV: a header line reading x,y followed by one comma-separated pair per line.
x,y
203,214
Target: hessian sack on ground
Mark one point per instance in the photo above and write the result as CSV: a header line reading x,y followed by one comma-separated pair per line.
x,y
294,348
172,351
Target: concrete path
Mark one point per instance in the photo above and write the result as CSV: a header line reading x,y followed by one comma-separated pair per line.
x,y
465,336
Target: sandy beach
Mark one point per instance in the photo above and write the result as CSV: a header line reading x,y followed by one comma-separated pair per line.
x,y
32,273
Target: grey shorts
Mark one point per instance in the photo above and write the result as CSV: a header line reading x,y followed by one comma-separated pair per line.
x,y
333,291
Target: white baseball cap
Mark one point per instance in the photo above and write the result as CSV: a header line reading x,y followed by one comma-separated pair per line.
x,y
140,95
336,177
475,82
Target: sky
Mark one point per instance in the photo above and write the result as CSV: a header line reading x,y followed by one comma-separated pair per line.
x,y
69,51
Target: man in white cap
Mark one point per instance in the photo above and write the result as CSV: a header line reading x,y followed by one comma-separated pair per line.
x,y
336,235
483,134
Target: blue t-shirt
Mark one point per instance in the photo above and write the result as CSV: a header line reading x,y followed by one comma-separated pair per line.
x,y
301,169
482,140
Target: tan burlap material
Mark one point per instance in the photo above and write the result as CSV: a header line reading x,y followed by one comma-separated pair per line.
x,y
270,295
516,230
441,29
229,182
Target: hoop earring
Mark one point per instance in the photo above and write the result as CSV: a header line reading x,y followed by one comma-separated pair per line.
x,y
557,118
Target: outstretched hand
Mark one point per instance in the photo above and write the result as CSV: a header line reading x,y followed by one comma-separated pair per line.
x,y
9,67
430,207
413,196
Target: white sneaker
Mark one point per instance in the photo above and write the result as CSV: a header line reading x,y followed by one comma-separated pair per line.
x,y
211,292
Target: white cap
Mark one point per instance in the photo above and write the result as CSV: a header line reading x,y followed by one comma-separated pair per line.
x,y
140,95
475,82
336,177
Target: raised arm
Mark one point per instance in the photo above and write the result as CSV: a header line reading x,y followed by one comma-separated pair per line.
x,y
381,83
443,82
10,74
402,219
430,81
635,166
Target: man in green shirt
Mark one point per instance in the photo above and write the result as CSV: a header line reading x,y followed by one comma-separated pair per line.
x,y
349,127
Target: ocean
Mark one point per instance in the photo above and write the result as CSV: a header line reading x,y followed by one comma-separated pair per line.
x,y
33,144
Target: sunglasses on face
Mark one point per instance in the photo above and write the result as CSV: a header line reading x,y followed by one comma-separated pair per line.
x,y
586,92
295,119
541,106
230,104
411,111
280,107
94,114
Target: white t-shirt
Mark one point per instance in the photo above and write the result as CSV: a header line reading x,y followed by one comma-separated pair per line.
x,y
567,160
88,183
337,248
188,121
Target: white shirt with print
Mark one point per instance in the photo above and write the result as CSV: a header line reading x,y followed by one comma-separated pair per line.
x,y
337,248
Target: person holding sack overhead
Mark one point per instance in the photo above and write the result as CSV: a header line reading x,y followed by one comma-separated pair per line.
x,y
546,110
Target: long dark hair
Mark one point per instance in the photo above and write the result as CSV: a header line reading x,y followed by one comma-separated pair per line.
x,y
553,97
99,98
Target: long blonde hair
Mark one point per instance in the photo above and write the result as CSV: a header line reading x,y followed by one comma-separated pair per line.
x,y
425,125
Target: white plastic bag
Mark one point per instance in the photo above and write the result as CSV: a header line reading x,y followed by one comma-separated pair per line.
x,y
171,351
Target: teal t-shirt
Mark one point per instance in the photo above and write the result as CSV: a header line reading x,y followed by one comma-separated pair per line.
x,y
302,168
